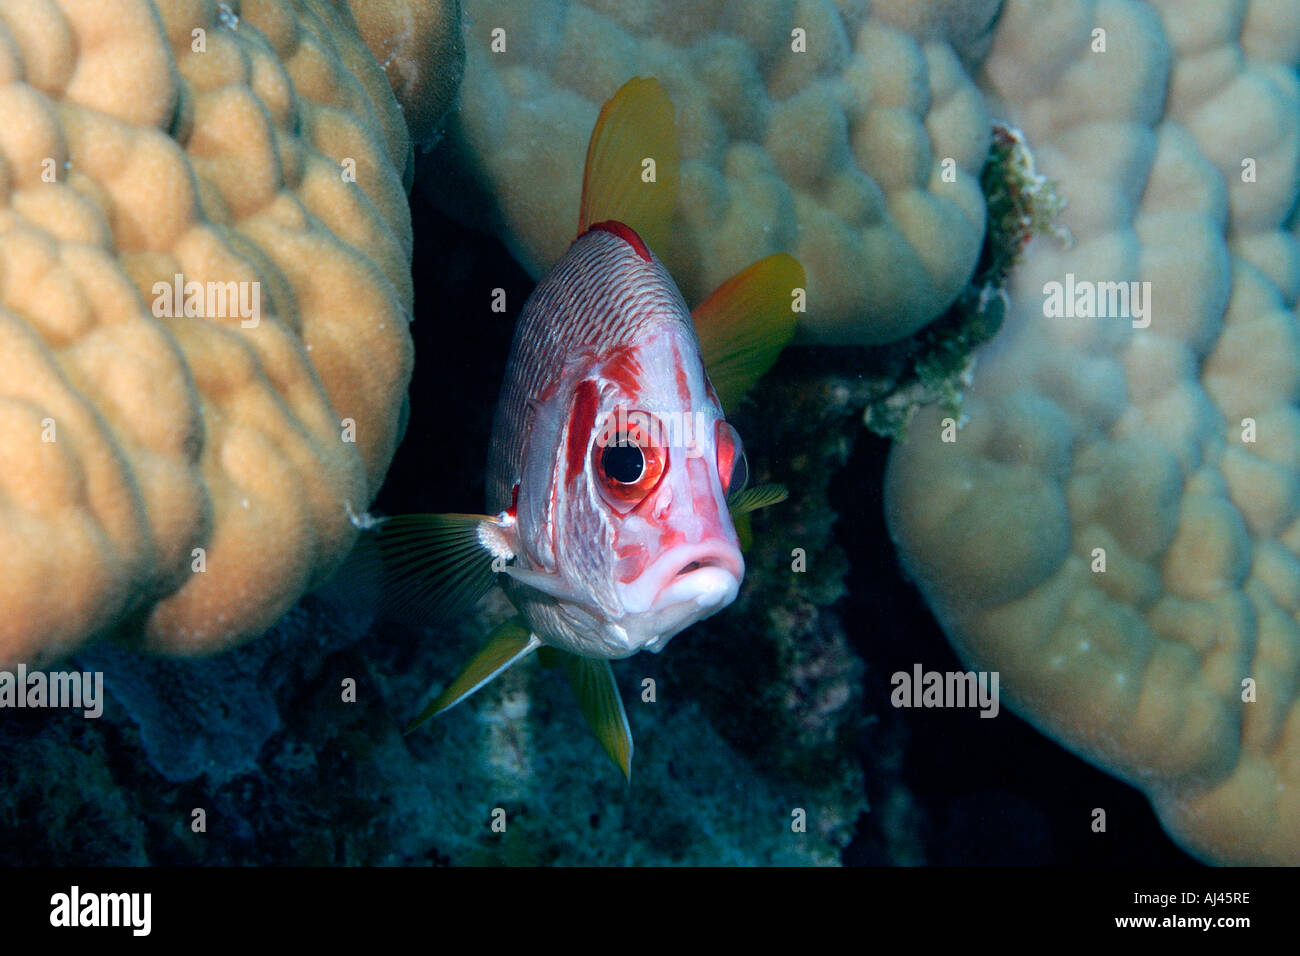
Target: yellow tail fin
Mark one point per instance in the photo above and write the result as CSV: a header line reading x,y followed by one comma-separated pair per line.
x,y
633,163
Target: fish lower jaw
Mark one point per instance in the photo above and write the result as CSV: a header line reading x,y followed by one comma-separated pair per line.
x,y
693,596
699,588
704,589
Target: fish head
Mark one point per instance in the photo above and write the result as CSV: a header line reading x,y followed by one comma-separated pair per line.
x,y
632,518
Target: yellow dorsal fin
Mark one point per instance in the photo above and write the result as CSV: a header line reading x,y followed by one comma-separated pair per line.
x,y
746,323
633,163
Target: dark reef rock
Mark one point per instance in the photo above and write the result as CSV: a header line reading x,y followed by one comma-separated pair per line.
x,y
210,717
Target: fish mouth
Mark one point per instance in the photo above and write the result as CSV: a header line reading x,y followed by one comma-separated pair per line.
x,y
685,584
706,575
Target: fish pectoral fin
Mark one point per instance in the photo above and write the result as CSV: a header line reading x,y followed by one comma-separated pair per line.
x,y
741,502
759,496
428,567
509,643
746,322
636,127
597,692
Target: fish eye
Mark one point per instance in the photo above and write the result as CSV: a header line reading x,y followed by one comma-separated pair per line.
x,y
627,460
623,463
733,465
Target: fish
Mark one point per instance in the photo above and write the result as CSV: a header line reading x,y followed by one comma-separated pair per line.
x,y
614,481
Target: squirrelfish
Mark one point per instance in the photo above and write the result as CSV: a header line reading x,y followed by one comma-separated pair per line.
x,y
613,475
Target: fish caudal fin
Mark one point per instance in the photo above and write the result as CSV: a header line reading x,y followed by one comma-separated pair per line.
x,y
509,643
746,322
597,692
633,163
424,567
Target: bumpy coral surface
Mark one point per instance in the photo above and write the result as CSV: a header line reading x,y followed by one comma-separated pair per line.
x,y
1116,528
848,134
419,47
180,475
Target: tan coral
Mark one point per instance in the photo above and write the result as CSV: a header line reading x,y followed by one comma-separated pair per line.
x,y
419,46
859,155
1173,451
174,479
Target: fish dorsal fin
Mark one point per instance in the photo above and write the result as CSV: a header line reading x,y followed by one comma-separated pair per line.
x,y
508,644
635,125
746,322
420,568
597,692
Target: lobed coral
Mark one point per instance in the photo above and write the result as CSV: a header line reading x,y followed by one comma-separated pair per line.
x,y
418,45
173,473
1116,528
848,134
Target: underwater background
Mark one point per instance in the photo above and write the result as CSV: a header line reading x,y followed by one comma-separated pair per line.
x,y
767,707
965,440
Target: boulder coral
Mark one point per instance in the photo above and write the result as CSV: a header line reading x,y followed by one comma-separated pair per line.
x,y
1115,525
848,134
418,45
204,299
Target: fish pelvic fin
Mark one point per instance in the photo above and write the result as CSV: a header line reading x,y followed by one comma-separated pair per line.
x,y
747,321
597,692
633,163
508,644
421,568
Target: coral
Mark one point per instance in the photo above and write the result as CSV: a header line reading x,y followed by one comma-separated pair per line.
x,y
934,365
418,44
1115,527
860,154
178,476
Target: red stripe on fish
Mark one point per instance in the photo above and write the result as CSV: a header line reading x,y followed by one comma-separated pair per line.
x,y
683,383
624,232
581,421
703,503
633,559
623,369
